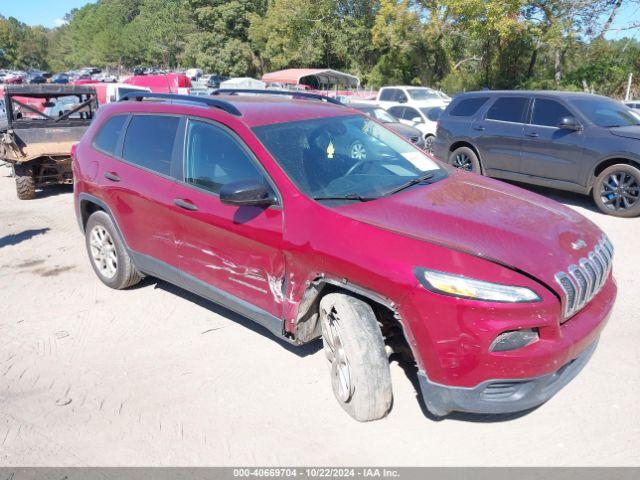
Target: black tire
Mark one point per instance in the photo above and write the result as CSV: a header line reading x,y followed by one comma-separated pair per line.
x,y
360,374
126,274
428,143
25,183
465,158
618,200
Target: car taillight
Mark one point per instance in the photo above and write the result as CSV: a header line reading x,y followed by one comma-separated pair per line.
x,y
73,151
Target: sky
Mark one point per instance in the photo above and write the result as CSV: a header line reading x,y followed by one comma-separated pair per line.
x,y
50,13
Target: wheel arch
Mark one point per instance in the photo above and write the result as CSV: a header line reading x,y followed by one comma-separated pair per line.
x,y
386,310
604,164
87,205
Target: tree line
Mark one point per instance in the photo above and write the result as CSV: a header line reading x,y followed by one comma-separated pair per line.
x,y
451,44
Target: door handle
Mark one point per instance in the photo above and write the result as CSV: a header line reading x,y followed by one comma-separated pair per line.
x,y
111,176
533,134
184,204
480,128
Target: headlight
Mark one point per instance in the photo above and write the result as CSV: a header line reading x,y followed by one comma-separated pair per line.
x,y
465,287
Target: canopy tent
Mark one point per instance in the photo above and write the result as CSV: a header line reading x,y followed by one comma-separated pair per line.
x,y
314,77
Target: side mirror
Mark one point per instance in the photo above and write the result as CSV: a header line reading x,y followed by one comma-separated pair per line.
x,y
569,123
417,120
246,192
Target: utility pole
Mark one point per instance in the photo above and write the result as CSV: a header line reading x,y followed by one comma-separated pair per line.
x,y
626,97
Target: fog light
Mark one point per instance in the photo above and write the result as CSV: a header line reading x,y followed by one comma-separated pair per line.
x,y
514,339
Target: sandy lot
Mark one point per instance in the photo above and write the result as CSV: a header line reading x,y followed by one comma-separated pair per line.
x,y
156,376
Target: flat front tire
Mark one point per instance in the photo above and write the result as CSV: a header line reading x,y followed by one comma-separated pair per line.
x,y
616,191
107,253
353,343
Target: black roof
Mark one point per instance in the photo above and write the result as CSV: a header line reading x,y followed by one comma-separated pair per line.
x,y
45,90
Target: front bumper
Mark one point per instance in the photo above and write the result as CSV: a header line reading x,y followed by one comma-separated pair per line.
x,y
501,396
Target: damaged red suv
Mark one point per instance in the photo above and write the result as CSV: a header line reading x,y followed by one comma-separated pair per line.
x,y
257,202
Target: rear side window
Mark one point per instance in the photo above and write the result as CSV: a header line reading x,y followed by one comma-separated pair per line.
x,y
468,106
149,142
548,112
508,109
107,139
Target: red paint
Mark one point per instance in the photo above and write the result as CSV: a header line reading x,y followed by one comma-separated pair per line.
x,y
162,83
464,224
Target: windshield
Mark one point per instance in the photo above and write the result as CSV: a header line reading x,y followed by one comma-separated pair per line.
x,y
606,113
345,155
423,94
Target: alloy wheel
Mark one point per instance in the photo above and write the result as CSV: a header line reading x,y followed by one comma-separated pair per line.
x,y
463,162
620,191
358,152
103,252
428,144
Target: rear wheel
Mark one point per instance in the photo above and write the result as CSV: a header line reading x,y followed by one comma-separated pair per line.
x,y
107,253
25,183
353,343
465,159
428,143
617,191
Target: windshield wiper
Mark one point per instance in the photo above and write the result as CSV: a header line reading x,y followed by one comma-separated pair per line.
x,y
412,182
348,196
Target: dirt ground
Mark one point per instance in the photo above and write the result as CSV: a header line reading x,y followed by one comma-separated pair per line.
x,y
156,376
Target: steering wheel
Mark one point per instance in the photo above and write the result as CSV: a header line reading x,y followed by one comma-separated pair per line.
x,y
358,164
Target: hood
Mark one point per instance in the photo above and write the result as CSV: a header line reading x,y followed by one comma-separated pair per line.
x,y
402,129
489,219
630,131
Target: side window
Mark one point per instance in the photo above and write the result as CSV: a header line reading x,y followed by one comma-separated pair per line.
x,y
400,96
149,142
397,111
387,95
468,106
434,114
107,138
213,157
508,109
548,112
410,113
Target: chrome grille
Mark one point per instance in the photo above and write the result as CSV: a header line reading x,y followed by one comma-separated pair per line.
x,y
581,282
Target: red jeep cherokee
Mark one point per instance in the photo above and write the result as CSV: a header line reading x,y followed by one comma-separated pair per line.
x,y
257,203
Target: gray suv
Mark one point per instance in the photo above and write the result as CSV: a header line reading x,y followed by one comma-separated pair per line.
x,y
571,141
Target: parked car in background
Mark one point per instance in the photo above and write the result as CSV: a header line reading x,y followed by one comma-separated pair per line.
x,y
425,119
14,78
162,83
571,141
244,200
633,105
60,78
112,92
35,78
214,81
414,96
380,114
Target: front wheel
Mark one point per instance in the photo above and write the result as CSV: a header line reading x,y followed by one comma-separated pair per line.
x,y
353,343
465,159
617,191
